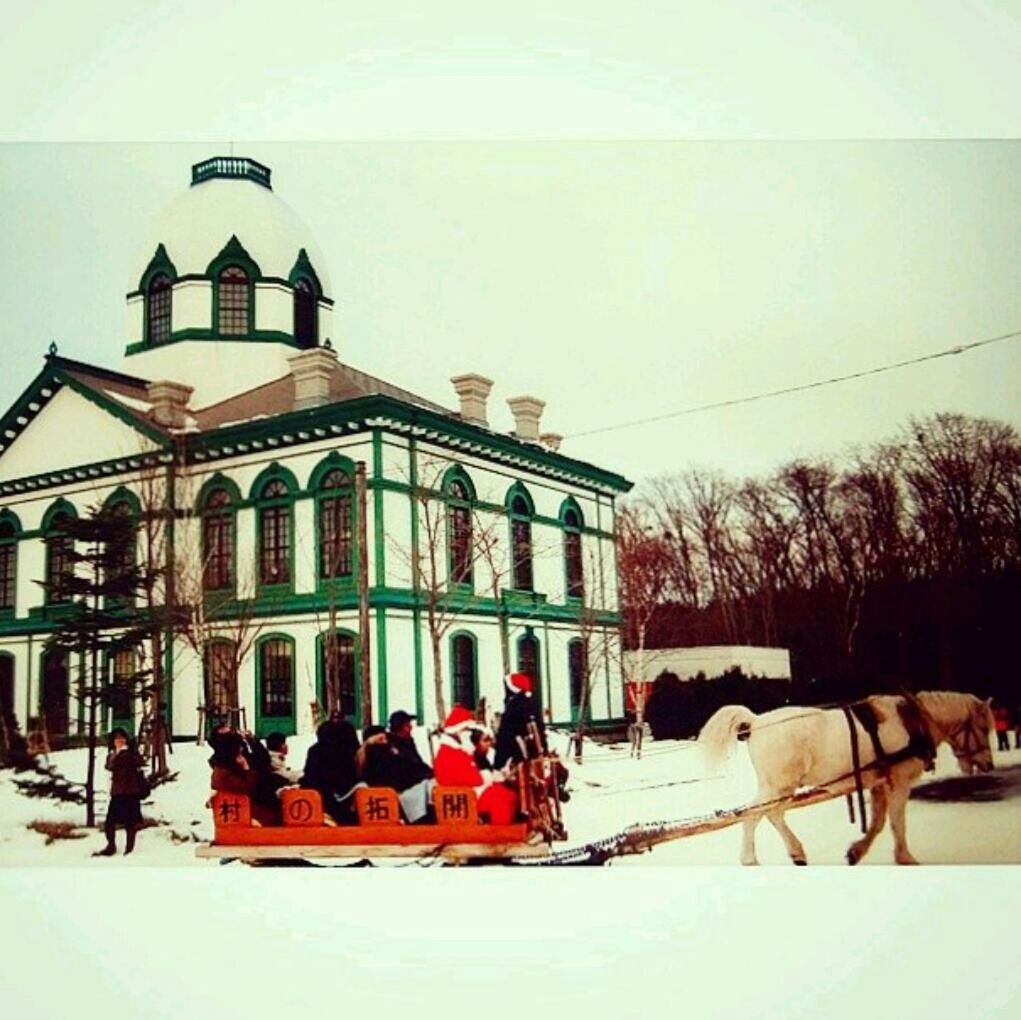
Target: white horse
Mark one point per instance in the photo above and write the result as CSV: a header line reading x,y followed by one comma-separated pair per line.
x,y
797,747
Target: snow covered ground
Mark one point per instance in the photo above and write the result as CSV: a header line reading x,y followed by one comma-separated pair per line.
x,y
609,791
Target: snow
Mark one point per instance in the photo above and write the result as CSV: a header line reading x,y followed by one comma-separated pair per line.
x,y
609,791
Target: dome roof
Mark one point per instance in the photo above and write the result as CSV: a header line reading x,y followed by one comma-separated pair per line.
x,y
230,196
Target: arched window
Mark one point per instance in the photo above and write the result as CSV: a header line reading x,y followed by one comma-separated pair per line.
x,y
459,532
8,564
573,568
338,674
119,562
274,534
305,317
576,675
529,664
463,669
59,559
233,306
276,678
521,543
218,541
159,298
121,694
336,545
220,677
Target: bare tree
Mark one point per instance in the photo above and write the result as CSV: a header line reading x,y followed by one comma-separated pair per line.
x,y
643,572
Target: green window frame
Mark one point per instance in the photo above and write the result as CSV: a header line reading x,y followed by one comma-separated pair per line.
x,y
459,496
339,681
464,669
336,523
572,524
121,695
234,307
10,535
59,552
520,511
273,493
219,677
275,691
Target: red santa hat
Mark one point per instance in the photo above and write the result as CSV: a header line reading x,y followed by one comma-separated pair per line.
x,y
517,683
460,720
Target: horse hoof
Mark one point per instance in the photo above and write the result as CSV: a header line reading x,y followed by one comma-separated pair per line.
x,y
799,861
852,856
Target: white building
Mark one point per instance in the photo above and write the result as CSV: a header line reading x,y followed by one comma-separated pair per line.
x,y
233,404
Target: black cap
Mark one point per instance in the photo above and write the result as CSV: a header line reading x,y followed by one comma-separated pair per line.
x,y
400,718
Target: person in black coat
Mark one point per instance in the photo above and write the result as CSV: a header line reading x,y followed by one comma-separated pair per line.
x,y
127,787
330,768
520,709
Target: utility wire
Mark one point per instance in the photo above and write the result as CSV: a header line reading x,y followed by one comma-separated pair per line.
x,y
959,349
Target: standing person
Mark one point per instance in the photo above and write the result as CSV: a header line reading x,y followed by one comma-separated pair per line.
x,y
457,764
520,709
127,788
1002,719
1017,727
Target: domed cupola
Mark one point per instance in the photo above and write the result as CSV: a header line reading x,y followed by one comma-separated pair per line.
x,y
228,274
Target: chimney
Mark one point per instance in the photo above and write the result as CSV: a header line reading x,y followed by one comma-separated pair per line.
x,y
472,390
551,440
169,403
527,411
312,371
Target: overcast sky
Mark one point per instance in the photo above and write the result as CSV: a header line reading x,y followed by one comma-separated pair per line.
x,y
615,280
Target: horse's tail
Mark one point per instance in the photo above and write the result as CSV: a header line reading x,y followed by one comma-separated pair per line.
x,y
721,731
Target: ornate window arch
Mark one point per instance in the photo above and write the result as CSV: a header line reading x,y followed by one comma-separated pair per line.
x,y
59,551
217,507
307,292
459,494
572,523
220,678
273,493
336,550
10,533
464,669
157,289
122,559
520,510
338,674
234,273
274,669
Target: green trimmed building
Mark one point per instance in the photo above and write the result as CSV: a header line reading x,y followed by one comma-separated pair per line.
x,y
232,409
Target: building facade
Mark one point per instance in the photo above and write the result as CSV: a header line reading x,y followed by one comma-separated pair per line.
x,y
336,538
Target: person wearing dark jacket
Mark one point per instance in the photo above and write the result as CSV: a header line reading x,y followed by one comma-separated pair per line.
x,y
409,775
330,768
127,787
232,773
520,709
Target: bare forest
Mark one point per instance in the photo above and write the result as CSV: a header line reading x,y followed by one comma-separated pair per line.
x,y
894,565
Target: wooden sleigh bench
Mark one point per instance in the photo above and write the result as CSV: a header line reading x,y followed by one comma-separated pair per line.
x,y
458,835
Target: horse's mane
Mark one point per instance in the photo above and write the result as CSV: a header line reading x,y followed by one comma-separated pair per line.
x,y
941,704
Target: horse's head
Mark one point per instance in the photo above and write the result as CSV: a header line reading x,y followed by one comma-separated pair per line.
x,y
971,741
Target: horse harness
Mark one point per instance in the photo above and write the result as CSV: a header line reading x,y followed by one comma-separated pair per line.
x,y
920,744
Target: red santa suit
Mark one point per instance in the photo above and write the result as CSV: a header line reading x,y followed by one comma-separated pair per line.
x,y
455,766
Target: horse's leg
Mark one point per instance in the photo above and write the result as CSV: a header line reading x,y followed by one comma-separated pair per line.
x,y
856,851
898,797
748,826
795,850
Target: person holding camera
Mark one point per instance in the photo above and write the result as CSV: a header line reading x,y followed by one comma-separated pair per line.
x,y
128,787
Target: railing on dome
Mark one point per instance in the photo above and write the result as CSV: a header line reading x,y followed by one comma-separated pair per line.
x,y
231,166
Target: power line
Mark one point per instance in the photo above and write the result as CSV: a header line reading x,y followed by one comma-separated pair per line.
x,y
959,349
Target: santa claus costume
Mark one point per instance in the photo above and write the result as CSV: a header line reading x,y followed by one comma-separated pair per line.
x,y
455,766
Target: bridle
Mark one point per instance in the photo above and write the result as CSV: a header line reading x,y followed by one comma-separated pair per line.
x,y
975,742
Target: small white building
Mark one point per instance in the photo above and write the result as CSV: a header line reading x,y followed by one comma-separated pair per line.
x,y
710,661
234,402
